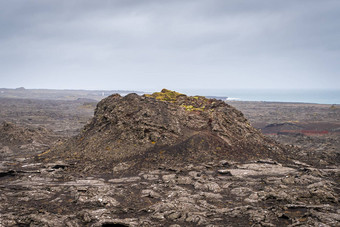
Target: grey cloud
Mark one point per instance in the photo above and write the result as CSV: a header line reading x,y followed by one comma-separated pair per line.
x,y
203,43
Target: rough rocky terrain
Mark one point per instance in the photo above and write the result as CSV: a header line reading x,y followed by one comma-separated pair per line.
x,y
37,189
314,128
290,118
63,117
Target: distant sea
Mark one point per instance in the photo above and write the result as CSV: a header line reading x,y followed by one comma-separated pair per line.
x,y
302,96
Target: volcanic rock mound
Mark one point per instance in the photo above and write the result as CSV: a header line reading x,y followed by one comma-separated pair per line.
x,y
165,128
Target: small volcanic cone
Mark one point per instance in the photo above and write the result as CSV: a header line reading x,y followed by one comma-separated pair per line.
x,y
165,128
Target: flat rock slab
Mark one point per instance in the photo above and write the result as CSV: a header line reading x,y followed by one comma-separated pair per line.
x,y
256,169
125,180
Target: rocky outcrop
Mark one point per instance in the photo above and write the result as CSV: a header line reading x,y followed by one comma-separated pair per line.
x,y
166,128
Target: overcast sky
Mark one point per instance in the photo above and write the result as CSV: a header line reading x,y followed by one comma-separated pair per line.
x,y
151,44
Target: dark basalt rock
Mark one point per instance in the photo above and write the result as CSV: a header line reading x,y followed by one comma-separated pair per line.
x,y
165,127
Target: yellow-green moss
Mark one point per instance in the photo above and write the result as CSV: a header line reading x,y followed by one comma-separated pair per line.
x,y
192,108
197,97
191,103
165,95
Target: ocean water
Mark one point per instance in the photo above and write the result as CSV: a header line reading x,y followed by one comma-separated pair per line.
x,y
302,96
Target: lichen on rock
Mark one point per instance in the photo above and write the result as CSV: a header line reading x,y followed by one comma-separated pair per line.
x,y
189,103
165,95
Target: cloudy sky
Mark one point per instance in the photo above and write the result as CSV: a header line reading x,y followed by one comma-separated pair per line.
x,y
151,44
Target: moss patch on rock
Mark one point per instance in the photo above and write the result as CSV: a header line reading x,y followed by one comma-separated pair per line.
x,y
189,103
165,95
192,108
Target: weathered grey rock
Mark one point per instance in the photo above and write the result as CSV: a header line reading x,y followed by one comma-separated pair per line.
x,y
175,225
124,180
199,186
150,177
241,191
169,177
212,186
224,172
210,195
183,180
120,167
150,193
253,198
